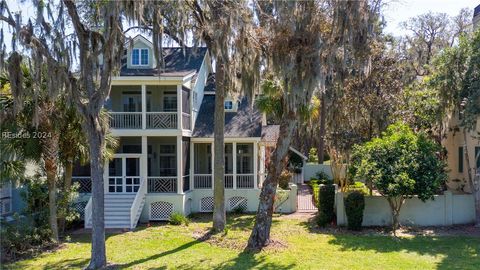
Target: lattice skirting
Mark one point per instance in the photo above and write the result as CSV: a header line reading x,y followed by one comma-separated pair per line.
x,y
237,202
161,210
206,204
80,208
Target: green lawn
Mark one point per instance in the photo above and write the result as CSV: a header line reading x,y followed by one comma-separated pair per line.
x,y
298,246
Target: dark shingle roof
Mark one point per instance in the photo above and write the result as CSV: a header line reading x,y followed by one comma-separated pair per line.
x,y
270,133
476,11
245,122
176,63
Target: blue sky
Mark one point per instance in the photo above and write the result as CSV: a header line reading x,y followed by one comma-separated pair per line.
x,y
398,11
395,12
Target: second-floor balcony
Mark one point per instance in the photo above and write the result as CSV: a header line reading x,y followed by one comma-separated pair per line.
x,y
149,107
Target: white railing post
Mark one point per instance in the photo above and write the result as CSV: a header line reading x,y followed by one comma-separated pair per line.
x,y
255,165
179,165
234,158
213,164
144,106
192,145
179,107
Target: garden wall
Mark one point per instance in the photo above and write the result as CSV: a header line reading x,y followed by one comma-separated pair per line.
x,y
444,210
311,169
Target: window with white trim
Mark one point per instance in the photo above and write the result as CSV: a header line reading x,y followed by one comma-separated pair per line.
x,y
228,105
139,57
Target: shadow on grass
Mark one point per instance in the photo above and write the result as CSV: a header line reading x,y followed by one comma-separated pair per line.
x,y
66,264
248,260
457,252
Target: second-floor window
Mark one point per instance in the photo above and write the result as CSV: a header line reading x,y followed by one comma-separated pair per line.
x,y
139,57
170,102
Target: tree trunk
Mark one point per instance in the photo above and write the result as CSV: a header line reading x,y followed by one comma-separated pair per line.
x,y
474,187
51,171
395,207
261,231
219,214
96,141
67,184
49,144
321,135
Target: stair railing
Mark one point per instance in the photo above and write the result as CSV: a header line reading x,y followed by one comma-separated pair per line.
x,y
88,212
137,203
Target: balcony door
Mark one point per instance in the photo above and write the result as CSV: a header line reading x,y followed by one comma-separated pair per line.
x,y
124,174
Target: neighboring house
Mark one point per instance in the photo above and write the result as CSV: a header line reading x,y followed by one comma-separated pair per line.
x,y
164,122
11,200
455,143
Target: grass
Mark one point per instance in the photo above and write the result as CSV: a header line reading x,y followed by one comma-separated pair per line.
x,y
302,246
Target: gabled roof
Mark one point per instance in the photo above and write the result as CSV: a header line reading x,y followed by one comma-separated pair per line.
x,y
178,62
245,122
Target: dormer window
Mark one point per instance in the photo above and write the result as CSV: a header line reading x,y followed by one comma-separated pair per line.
x,y
139,57
228,105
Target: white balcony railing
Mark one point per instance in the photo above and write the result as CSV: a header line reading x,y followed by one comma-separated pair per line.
x,y
202,181
246,181
162,120
228,181
84,183
126,120
162,184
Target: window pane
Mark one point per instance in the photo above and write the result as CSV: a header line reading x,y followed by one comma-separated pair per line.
x,y
135,57
144,60
228,105
170,103
245,158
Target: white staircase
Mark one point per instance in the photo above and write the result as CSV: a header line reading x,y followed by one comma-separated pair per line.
x,y
122,210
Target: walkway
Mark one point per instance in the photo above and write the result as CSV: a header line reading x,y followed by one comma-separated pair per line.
x,y
305,199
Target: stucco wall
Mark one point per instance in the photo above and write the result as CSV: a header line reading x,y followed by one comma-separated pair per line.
x,y
444,210
310,170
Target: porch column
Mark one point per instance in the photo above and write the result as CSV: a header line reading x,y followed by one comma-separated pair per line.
x,y
179,107
262,165
144,107
213,163
179,166
192,145
255,165
144,160
234,160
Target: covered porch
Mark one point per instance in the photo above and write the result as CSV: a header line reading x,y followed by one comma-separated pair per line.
x,y
149,107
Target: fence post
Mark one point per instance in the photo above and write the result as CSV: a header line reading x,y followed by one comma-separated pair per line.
x,y
340,209
448,208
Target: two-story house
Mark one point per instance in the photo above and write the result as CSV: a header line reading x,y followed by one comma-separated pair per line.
x,y
164,123
456,145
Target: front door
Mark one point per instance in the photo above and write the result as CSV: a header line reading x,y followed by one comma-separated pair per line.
x,y
124,175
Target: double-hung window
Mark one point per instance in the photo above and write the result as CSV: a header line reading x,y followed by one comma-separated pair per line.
x,y
139,57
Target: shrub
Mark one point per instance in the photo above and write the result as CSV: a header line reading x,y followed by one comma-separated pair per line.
x,y
178,219
240,209
326,201
284,179
323,178
354,206
400,164
30,233
358,187
312,155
